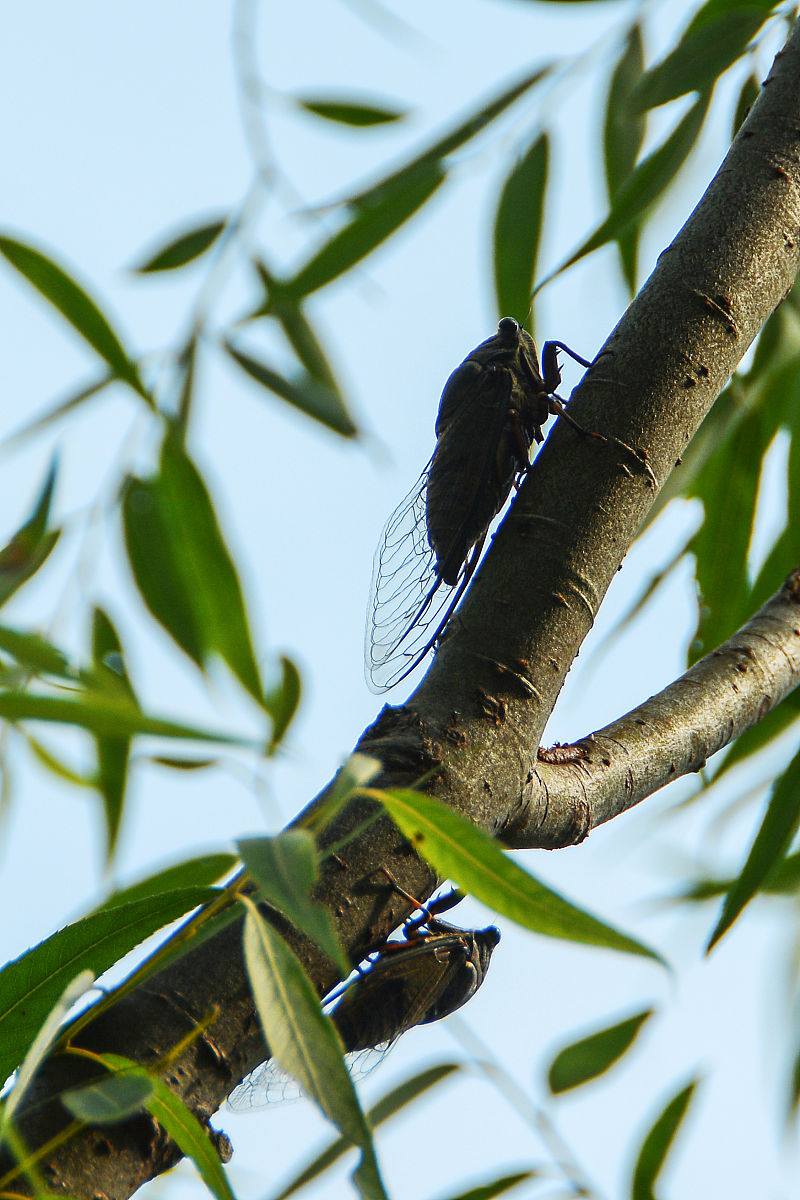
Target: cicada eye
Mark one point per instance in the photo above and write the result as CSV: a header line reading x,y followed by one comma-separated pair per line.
x,y
508,329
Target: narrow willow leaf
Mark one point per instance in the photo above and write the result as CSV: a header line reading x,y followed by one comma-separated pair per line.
x,y
783,879
113,753
656,1145
517,231
32,983
778,827
304,1041
645,186
356,772
296,325
393,1102
36,653
710,45
72,401
76,306
42,1042
183,248
593,1055
282,700
747,98
285,868
57,766
183,764
304,393
498,1187
623,135
350,112
758,736
458,850
31,545
371,223
202,871
183,568
109,1101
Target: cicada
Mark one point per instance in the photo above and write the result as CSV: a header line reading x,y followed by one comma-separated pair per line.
x,y
491,412
436,970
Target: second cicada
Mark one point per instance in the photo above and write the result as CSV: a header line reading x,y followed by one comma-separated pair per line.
x,y
491,412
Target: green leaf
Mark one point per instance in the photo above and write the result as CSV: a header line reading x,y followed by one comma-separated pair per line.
x,y
282,700
393,1102
716,38
61,290
517,231
498,1187
751,89
32,983
57,766
285,868
593,1055
783,879
35,653
771,843
183,568
296,326
656,1145
304,393
644,187
109,1101
758,736
31,545
458,850
372,221
201,871
183,248
356,772
72,401
113,753
623,135
349,112
304,1041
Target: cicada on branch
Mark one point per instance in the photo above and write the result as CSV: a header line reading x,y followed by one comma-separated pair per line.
x,y
491,412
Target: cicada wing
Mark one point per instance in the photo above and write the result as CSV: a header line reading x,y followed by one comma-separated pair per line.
x,y
408,597
270,1084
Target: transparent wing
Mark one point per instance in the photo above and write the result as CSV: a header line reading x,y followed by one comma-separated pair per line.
x,y
270,1084
409,602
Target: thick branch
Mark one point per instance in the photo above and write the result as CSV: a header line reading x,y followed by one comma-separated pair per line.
x,y
672,733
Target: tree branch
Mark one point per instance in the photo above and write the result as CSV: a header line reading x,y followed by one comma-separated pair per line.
x,y
472,725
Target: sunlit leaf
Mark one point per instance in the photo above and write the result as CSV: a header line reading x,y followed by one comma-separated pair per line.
x,y
57,766
30,546
183,248
349,112
110,1101
282,700
773,839
75,305
459,851
657,1143
517,230
593,1055
304,393
285,868
32,983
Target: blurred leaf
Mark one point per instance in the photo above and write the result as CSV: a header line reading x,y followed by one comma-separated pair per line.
x,y
73,400
304,1041
186,364
517,230
39,1045
645,186
393,1102
771,843
656,1145
782,879
306,393
372,221
32,983
593,1055
760,735
36,654
76,306
281,701
348,112
110,1101
747,98
296,326
285,868
459,851
715,39
623,135
183,764
113,753
356,772
498,1187
183,249
31,544
56,765
183,568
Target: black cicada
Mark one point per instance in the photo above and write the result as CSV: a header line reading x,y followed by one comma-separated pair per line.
x,y
433,972
492,410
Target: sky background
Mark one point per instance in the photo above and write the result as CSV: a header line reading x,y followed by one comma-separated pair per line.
x,y
123,122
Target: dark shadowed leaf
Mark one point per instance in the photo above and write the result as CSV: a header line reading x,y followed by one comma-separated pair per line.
x,y
593,1055
113,753
656,1145
771,843
623,134
747,98
459,851
304,1041
303,392
393,1102
32,983
296,326
350,112
30,546
183,248
281,701
517,230
183,568
75,305
285,868
109,1101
